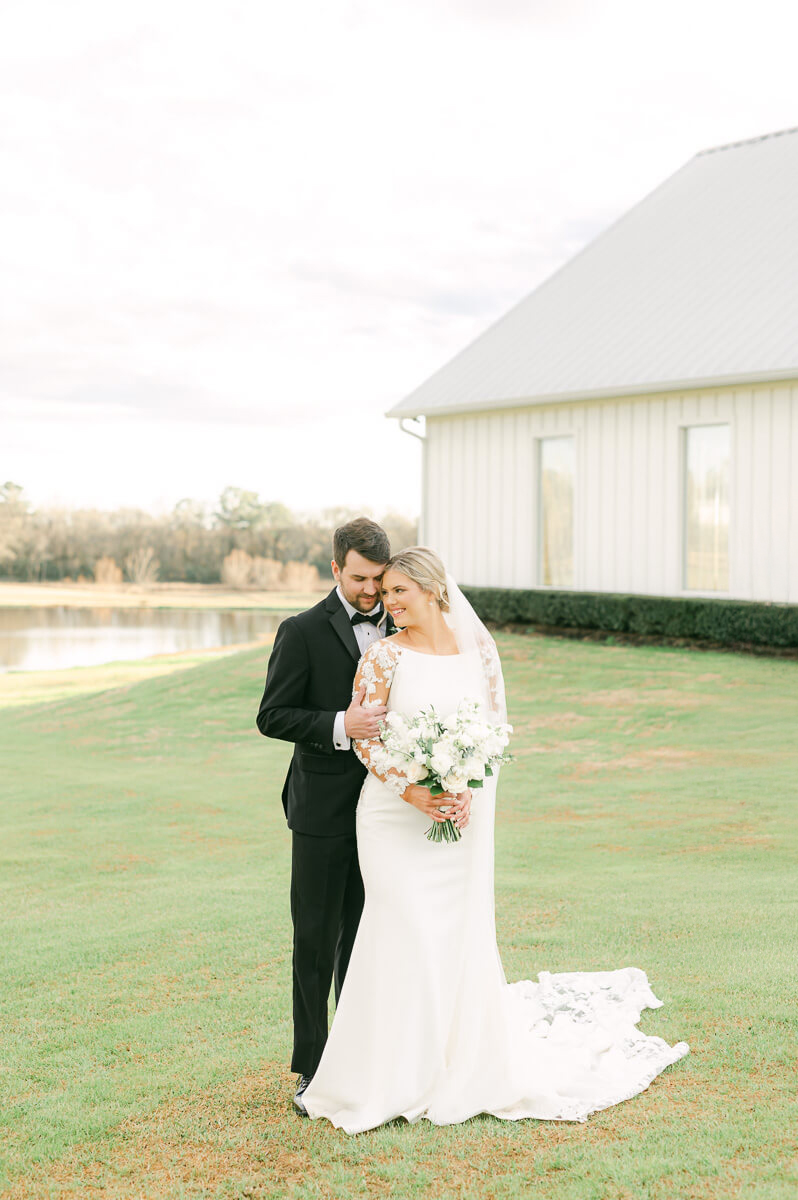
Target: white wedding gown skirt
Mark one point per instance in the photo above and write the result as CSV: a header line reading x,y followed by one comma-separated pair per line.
x,y
426,1023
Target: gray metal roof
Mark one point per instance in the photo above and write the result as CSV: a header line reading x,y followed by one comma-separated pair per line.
x,y
697,285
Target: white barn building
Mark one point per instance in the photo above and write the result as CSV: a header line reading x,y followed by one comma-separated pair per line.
x,y
632,425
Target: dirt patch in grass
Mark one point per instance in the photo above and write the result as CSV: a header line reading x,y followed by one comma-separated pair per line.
x,y
764,841
187,1146
644,697
570,747
564,747
661,756
729,833
565,720
242,1138
565,816
125,862
556,720
659,822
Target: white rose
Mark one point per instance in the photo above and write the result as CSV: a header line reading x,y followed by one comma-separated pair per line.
x,y
442,763
414,771
455,782
494,744
474,768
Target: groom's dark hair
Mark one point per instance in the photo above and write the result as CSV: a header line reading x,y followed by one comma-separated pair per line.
x,y
366,537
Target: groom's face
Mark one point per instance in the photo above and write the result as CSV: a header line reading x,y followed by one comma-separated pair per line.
x,y
359,580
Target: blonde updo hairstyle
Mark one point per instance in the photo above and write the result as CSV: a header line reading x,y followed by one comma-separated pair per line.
x,y
423,566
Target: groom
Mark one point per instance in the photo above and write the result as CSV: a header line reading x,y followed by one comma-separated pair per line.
x,y
308,701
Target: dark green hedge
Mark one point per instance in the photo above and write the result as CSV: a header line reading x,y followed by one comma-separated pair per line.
x,y
730,622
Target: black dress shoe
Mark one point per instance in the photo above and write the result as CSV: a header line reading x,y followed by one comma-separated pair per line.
x,y
299,1103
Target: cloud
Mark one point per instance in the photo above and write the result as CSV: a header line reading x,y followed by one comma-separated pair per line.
x,y
256,216
542,14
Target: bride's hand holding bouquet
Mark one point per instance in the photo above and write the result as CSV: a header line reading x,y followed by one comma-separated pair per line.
x,y
444,807
444,757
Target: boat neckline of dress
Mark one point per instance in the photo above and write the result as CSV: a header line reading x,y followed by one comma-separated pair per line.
x,y
428,654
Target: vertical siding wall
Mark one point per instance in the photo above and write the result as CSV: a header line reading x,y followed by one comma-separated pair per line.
x,y
482,491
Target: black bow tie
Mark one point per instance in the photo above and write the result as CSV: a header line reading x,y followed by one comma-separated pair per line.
x,y
374,617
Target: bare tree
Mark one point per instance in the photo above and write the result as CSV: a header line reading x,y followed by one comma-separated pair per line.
x,y
237,568
188,544
106,571
266,573
141,566
299,577
13,511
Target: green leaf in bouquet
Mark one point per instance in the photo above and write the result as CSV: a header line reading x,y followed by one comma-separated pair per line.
x,y
475,783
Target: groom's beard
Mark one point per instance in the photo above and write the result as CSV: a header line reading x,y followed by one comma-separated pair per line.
x,y
362,603
365,603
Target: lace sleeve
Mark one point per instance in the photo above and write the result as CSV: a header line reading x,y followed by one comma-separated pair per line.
x,y
494,677
375,673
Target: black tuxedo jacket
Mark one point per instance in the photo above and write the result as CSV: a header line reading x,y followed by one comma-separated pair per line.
x,y
309,680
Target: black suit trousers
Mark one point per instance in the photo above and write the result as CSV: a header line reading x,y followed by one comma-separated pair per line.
x,y
326,903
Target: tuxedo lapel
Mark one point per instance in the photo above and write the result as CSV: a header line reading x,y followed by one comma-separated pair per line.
x,y
341,624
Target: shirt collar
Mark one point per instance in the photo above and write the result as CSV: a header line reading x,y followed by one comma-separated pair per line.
x,y
350,611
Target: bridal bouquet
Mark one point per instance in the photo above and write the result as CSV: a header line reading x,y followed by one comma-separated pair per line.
x,y
444,754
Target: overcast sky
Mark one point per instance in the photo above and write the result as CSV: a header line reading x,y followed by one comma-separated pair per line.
x,y
233,233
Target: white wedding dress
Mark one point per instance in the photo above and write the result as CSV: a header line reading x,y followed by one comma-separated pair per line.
x,y
426,1023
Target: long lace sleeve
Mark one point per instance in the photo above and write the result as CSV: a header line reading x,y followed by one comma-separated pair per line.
x,y
494,677
375,673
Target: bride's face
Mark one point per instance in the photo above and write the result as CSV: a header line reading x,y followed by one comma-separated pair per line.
x,y
404,599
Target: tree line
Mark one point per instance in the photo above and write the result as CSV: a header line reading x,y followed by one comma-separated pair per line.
x,y
242,541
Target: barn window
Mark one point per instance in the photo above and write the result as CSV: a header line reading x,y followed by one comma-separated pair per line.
x,y
556,509
706,508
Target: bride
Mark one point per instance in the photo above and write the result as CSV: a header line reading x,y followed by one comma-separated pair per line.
x,y
426,1023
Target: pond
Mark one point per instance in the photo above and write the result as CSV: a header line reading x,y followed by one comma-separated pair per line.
x,y
45,639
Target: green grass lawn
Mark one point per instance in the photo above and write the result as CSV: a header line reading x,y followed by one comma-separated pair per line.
x,y
650,819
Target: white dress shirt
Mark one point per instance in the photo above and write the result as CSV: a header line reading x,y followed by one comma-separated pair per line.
x,y
365,633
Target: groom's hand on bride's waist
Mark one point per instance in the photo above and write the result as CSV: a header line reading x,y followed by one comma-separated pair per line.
x,y
362,721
